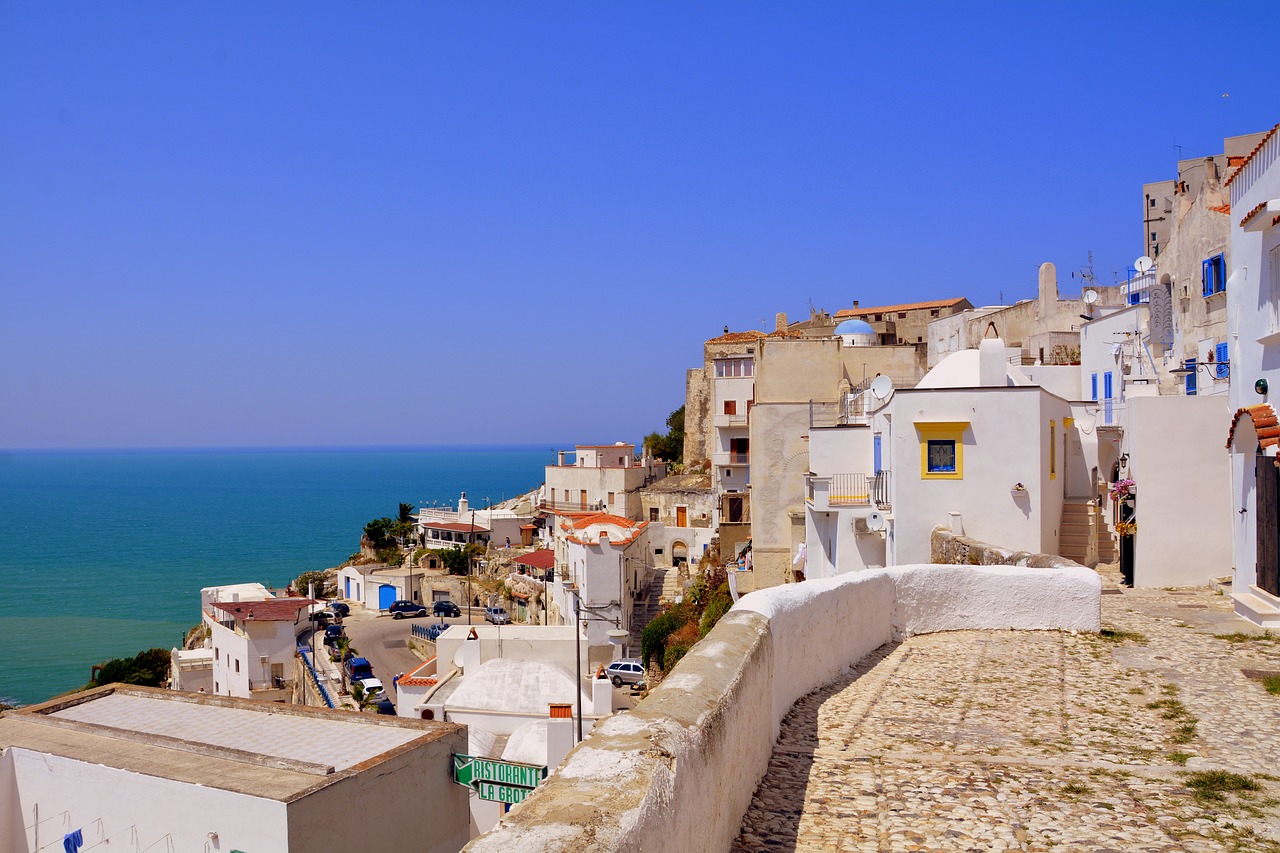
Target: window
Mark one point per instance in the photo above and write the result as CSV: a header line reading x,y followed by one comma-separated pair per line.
x,y
731,407
611,499
1093,387
1213,275
942,456
933,313
1153,202
657,552
1053,450
1153,236
902,315
653,514
1223,358
1189,387
941,450
237,664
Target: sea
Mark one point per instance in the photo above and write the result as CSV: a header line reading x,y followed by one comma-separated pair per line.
x,y
103,553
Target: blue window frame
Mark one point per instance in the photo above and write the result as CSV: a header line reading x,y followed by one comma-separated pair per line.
x,y
1189,388
1108,412
1093,387
942,456
1213,275
875,444
1222,357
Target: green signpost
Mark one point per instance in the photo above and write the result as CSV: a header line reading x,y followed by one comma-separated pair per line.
x,y
501,781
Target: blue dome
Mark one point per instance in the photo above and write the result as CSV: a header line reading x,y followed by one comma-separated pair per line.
x,y
855,327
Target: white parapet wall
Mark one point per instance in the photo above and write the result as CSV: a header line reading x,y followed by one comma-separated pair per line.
x,y
679,770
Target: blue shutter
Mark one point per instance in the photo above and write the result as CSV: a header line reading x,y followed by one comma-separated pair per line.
x,y
1190,387
1206,277
1093,387
1221,356
1106,385
875,444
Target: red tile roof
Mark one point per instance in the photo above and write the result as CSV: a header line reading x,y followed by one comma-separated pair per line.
x,y
423,676
604,518
1262,205
543,558
738,337
270,610
1222,208
888,309
1265,423
1252,154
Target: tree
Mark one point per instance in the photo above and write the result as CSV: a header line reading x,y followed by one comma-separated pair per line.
x,y
149,668
669,447
406,514
457,560
378,531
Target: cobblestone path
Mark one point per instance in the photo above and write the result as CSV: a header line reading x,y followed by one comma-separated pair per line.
x,y
1003,740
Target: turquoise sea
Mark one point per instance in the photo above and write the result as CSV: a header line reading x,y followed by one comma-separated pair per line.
x,y
104,553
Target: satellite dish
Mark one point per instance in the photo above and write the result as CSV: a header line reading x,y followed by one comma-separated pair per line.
x,y
881,386
1143,264
875,522
1090,297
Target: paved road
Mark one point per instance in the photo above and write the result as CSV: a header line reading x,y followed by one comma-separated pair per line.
x,y
384,641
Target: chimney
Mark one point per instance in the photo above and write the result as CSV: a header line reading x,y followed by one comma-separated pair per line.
x,y
462,505
991,363
559,733
855,305
1048,290
780,321
601,695
470,653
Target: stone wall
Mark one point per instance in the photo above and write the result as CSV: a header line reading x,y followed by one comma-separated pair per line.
x,y
679,770
950,549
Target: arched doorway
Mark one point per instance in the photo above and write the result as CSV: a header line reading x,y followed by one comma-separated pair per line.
x,y
679,553
386,596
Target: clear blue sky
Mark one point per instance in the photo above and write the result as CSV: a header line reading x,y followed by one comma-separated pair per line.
x,y
411,223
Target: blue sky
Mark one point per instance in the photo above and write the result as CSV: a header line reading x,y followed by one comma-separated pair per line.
x,y
427,223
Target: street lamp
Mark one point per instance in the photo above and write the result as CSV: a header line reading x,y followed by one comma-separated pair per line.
x,y
1223,370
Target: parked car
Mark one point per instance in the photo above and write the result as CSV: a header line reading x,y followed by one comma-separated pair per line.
x,y
373,690
357,669
497,615
434,632
331,634
341,608
446,608
322,617
625,671
386,706
402,608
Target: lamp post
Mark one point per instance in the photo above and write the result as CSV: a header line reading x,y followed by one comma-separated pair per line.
x,y
471,537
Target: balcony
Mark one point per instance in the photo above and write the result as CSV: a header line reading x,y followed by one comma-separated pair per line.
x,y
847,490
572,506
726,421
725,458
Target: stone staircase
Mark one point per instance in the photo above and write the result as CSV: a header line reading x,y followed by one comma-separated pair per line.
x,y
664,586
1258,606
1082,525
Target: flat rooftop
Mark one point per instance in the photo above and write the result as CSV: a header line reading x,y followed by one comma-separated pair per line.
x,y
260,748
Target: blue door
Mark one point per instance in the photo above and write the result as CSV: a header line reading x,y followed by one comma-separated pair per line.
x,y
347,581
386,596
1106,395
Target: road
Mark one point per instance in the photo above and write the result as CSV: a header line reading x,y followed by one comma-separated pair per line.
x,y
384,641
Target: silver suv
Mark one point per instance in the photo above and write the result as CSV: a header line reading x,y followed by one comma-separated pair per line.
x,y
497,615
625,671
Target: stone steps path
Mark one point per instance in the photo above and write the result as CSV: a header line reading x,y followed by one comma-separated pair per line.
x,y
1009,740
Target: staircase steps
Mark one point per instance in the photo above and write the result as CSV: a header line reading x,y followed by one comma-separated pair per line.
x,y
1258,606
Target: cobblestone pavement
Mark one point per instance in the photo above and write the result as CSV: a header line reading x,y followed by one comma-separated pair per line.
x,y
1004,740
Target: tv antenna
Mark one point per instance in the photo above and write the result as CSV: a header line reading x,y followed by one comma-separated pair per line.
x,y
1086,273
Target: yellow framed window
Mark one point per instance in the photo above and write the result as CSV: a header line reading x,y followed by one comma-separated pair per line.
x,y
942,450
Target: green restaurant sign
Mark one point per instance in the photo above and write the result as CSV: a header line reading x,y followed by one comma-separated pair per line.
x,y
502,781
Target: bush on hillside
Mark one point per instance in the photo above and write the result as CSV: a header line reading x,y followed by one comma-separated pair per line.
x,y
149,669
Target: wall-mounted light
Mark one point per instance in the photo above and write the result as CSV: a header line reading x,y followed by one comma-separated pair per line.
x,y
1260,386
1218,369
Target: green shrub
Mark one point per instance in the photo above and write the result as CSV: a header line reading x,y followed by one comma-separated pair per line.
x,y
718,606
653,641
672,656
149,669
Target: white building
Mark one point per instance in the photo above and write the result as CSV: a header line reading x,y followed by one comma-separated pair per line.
x,y
732,396
600,478
253,644
1253,311
134,768
605,569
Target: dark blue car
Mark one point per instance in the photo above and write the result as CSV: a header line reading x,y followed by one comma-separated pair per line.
x,y
358,669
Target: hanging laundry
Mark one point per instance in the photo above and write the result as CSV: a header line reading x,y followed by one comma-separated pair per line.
x,y
73,841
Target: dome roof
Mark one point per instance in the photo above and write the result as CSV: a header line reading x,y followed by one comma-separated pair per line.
x,y
855,327
519,686
962,370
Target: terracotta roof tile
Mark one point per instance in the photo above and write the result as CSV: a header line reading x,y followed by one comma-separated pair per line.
x,y
738,337
543,558
1265,423
270,610
424,675
888,309
1252,154
1222,208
